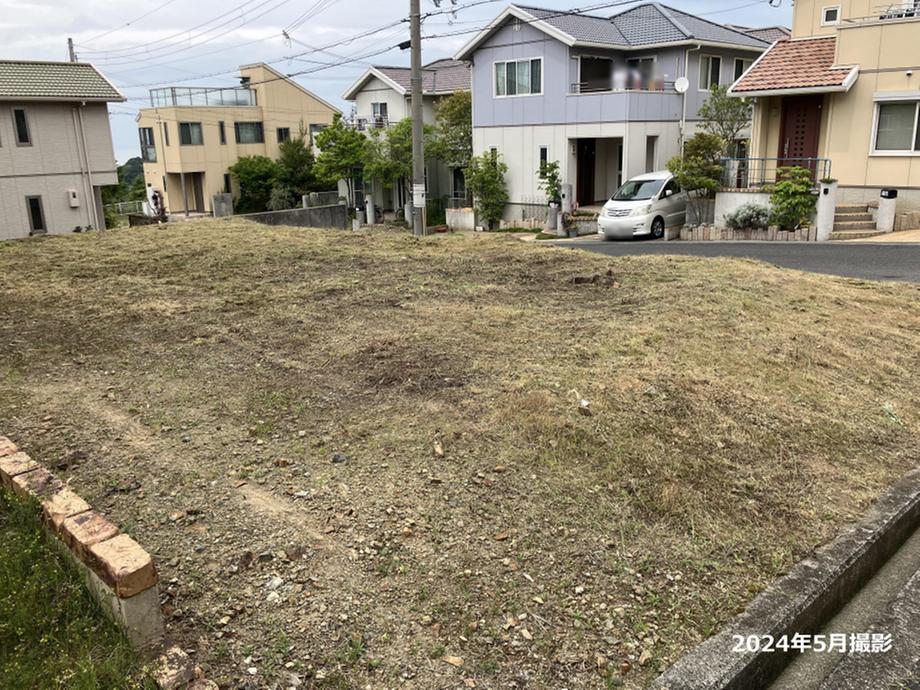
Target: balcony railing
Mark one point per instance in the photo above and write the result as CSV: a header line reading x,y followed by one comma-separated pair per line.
x,y
362,124
201,96
753,173
888,12
651,86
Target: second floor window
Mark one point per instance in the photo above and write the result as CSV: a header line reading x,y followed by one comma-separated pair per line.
x,y
148,147
519,77
710,72
190,134
222,132
380,111
742,66
314,130
21,124
284,134
249,133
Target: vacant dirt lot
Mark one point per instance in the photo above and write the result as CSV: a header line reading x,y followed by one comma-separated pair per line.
x,y
362,460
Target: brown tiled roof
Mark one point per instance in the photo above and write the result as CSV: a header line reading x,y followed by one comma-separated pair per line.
x,y
440,76
65,81
796,64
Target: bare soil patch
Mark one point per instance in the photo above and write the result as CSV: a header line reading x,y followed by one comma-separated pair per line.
x,y
361,459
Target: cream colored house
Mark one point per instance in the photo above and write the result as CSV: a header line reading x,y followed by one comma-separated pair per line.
x,y
190,136
846,89
55,147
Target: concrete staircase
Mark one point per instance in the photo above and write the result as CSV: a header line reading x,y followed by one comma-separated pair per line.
x,y
853,222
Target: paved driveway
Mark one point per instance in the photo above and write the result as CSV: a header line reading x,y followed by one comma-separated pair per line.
x,y
875,261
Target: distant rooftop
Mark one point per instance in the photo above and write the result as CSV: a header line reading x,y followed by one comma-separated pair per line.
x,y
183,96
441,77
771,34
54,81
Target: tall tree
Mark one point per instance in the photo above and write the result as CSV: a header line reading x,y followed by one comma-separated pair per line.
x,y
725,116
452,138
341,156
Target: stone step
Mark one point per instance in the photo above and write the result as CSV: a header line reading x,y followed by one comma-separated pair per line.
x,y
853,208
854,234
852,217
855,225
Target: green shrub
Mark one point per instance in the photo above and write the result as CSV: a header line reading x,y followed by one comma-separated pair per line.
x,y
792,197
485,178
749,216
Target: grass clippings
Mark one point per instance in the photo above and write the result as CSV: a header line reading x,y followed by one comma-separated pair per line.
x,y
356,455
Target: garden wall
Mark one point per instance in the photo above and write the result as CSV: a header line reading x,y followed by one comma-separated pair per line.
x,y
331,216
712,233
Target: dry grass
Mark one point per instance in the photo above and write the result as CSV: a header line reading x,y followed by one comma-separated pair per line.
x,y
196,381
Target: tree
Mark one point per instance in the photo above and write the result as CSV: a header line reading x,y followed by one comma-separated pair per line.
x,y
295,167
551,180
792,197
257,176
452,136
699,171
388,157
342,154
485,178
725,116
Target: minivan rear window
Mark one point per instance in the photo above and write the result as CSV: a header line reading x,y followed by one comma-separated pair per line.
x,y
638,190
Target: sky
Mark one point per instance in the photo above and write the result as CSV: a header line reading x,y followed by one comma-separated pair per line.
x,y
142,45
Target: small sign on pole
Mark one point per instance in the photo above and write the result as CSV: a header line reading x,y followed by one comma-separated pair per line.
x,y
418,195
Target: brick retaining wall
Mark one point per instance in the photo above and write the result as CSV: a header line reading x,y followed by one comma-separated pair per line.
x,y
121,575
710,232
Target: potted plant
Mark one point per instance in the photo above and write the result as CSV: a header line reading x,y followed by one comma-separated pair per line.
x,y
551,184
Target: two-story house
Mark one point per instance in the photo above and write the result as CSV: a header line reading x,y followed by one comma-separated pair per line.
x,y
844,89
191,136
606,97
56,150
382,96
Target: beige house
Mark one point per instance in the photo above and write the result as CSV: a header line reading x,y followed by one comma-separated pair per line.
x,y
55,147
190,136
843,92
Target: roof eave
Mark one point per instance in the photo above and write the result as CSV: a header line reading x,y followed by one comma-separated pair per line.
x,y
466,52
669,44
64,99
843,87
352,93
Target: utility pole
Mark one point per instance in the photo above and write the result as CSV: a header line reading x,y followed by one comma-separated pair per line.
x,y
72,55
418,144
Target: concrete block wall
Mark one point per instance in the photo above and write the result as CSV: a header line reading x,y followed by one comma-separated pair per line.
x,y
120,574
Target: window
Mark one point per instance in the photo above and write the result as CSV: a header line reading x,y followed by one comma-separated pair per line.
x,y
314,130
830,15
897,129
458,183
228,184
284,134
596,74
190,134
148,147
36,214
21,125
165,134
249,133
380,110
222,132
519,77
651,154
742,66
544,159
672,187
641,72
710,72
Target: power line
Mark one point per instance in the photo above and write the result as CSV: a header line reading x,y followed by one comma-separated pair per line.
x,y
133,21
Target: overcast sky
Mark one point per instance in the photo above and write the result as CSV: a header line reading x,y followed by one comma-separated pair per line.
x,y
188,42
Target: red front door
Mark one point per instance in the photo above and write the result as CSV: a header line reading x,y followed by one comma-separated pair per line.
x,y
801,123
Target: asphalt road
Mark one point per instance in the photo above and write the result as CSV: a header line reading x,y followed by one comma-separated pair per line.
x,y
853,260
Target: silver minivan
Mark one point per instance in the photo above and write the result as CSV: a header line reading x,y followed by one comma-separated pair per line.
x,y
642,207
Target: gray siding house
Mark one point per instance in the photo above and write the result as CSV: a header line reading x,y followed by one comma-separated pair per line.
x,y
600,95
55,147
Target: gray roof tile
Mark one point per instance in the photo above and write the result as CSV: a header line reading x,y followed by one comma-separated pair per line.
x,y
65,81
440,76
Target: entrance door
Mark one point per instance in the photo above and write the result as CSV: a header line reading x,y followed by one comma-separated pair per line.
x,y
801,123
587,154
198,191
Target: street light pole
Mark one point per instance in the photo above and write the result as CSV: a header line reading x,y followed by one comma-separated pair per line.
x,y
418,144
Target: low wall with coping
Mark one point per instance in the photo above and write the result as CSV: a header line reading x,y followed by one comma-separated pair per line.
x,y
712,233
120,574
334,216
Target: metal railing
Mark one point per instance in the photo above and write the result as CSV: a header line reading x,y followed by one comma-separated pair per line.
x,y
650,86
751,173
363,124
195,96
899,10
459,201
123,208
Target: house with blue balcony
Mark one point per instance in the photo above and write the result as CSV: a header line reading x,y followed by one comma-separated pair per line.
x,y
607,97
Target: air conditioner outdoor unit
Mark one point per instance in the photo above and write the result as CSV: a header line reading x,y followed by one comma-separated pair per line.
x,y
73,198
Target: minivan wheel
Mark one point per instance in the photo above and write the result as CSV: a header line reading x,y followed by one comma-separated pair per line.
x,y
658,228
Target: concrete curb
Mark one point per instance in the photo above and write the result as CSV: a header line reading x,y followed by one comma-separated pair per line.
x,y
803,600
119,573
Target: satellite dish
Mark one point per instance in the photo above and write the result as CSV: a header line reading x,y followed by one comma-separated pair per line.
x,y
681,85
